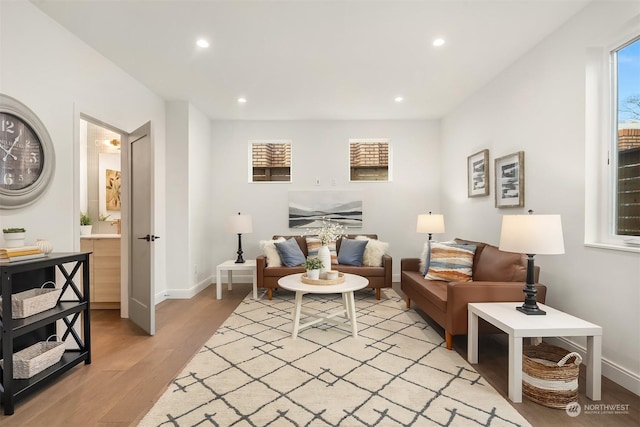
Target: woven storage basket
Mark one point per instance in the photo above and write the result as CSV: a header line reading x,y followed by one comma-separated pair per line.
x,y
36,358
550,375
33,301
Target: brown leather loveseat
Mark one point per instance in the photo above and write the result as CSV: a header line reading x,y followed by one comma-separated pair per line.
x,y
497,276
379,277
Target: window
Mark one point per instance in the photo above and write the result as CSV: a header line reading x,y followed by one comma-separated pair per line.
x,y
270,161
626,137
369,160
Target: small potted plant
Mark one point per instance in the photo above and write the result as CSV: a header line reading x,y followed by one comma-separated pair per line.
x,y
313,266
13,237
85,224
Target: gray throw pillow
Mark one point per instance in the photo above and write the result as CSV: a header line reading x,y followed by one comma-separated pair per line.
x,y
290,253
351,252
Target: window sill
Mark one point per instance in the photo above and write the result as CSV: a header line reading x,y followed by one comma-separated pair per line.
x,y
614,247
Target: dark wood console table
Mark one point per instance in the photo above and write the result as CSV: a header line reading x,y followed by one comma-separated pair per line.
x,y
18,334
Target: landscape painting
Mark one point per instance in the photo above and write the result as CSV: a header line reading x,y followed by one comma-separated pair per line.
x,y
308,208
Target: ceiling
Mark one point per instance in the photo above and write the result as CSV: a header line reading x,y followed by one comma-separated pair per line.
x,y
303,59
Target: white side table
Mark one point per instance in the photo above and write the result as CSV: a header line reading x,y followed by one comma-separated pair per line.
x,y
352,283
518,325
230,266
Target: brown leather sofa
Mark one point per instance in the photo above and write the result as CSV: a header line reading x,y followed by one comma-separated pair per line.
x,y
497,277
379,277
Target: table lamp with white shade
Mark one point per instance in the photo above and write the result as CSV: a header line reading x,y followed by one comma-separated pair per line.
x,y
430,224
240,224
531,235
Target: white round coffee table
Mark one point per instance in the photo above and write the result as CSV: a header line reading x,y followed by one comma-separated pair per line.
x,y
351,283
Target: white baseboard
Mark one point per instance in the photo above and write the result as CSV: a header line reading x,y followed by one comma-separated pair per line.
x,y
615,373
159,297
395,277
184,293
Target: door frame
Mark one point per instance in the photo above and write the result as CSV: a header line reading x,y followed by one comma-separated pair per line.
x,y
124,213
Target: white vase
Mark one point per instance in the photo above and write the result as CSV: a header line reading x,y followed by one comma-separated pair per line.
x,y
45,246
85,230
313,274
324,255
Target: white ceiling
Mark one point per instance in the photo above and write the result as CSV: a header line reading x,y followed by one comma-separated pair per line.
x,y
303,59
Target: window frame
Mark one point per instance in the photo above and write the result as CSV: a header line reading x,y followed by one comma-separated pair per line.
x,y
614,110
600,145
371,141
265,142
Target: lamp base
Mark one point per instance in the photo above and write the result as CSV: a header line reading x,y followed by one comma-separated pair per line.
x,y
530,306
239,260
533,311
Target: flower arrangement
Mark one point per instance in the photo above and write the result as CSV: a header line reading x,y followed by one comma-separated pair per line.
x,y
330,231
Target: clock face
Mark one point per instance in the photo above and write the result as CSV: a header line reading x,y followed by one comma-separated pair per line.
x,y
21,153
27,156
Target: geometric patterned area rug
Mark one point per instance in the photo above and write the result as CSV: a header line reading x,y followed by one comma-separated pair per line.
x,y
396,373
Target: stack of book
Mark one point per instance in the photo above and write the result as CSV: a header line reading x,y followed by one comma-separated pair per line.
x,y
21,253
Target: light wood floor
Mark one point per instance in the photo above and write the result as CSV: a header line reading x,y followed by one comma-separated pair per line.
x,y
131,370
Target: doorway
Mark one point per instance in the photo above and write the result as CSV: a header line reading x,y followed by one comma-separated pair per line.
x,y
101,207
115,189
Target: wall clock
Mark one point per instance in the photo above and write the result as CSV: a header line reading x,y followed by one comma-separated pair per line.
x,y
27,158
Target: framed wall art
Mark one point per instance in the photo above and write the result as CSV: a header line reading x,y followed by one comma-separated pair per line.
x,y
478,174
109,184
309,208
509,171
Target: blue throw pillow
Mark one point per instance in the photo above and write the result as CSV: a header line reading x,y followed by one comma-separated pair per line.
x,y
290,253
351,252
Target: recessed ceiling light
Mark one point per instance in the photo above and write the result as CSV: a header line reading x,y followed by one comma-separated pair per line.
x,y
242,100
202,43
438,42
398,99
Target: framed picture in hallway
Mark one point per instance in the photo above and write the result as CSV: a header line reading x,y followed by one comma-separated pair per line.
x,y
509,171
478,174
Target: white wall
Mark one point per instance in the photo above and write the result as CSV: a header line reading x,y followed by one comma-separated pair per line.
x,y
320,149
189,201
177,174
201,204
58,77
538,105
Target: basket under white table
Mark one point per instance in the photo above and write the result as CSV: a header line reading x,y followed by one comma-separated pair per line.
x,y
518,326
351,283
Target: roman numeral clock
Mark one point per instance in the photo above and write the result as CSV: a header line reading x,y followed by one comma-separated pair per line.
x,y
27,158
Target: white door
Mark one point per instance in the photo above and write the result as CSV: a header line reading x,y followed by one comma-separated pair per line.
x,y
141,284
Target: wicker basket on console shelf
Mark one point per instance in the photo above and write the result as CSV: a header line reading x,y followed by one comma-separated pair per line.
x,y
33,301
36,358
